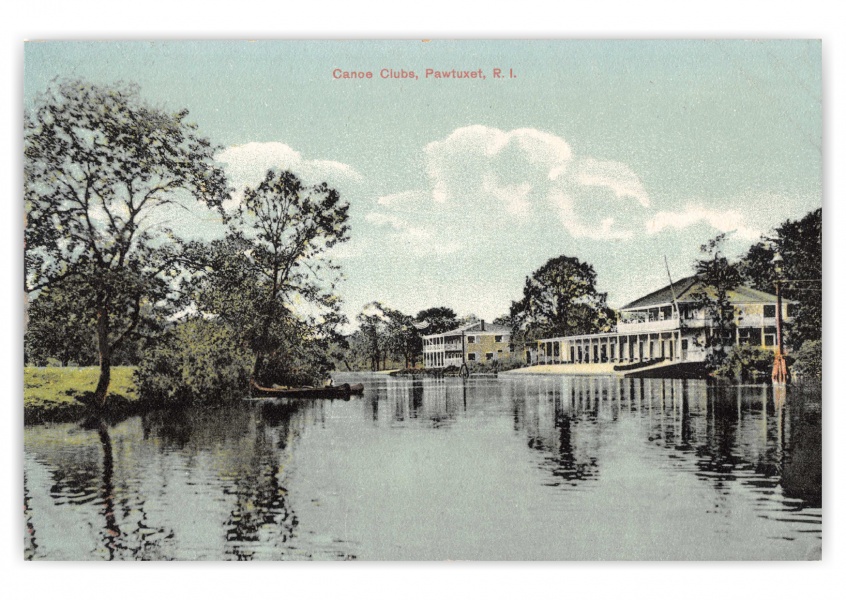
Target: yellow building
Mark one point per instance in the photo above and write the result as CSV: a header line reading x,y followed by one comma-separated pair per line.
x,y
479,342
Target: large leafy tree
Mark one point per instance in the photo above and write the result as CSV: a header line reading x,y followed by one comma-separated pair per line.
x,y
560,299
99,165
716,276
800,245
271,277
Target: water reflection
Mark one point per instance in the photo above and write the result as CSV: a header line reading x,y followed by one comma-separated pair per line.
x,y
376,477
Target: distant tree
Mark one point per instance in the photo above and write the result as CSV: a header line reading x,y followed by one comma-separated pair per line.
x,y
560,299
403,338
800,245
717,277
60,327
99,165
271,278
340,353
359,355
373,330
438,319
467,319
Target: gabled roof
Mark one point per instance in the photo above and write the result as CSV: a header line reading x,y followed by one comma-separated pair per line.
x,y
476,327
489,328
664,295
686,289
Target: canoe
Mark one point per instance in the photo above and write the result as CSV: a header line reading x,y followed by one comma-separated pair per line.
x,y
345,390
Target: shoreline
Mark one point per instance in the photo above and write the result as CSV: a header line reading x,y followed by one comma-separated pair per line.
x,y
62,394
582,369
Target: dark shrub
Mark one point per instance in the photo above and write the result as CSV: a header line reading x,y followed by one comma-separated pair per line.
x,y
198,361
808,365
746,364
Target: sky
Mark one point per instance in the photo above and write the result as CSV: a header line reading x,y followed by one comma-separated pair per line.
x,y
618,153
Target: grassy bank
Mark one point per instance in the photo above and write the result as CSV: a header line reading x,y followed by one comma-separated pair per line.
x,y
64,393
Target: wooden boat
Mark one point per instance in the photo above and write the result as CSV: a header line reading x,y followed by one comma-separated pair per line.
x,y
345,390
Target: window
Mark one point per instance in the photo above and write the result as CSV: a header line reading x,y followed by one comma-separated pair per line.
x,y
769,311
471,339
471,356
769,336
489,356
497,338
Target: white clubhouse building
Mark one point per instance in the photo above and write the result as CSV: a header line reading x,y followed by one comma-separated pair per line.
x,y
665,328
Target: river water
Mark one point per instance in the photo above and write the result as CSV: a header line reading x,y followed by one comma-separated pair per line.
x,y
518,467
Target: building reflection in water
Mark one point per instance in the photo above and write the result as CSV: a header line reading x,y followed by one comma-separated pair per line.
x,y
719,434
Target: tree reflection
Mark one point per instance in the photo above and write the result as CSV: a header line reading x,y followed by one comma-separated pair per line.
x,y
716,454
173,427
136,539
575,406
30,545
429,401
112,531
261,519
686,431
802,460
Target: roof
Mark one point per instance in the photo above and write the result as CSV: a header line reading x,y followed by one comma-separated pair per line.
x,y
489,328
476,327
664,295
685,290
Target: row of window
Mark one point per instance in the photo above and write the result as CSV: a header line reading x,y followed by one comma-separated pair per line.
x,y
476,339
471,339
689,312
471,356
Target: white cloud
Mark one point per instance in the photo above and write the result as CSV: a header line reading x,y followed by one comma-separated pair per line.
x,y
721,220
515,198
247,164
419,240
478,159
613,175
511,176
603,230
403,198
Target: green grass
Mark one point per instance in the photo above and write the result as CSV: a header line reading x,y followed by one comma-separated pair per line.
x,y
50,392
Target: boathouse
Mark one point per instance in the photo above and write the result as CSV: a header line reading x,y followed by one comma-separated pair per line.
x,y
478,342
669,326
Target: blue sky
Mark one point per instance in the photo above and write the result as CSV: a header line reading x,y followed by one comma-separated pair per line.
x,y
616,152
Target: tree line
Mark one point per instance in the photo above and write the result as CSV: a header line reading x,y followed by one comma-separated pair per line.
x,y
561,298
